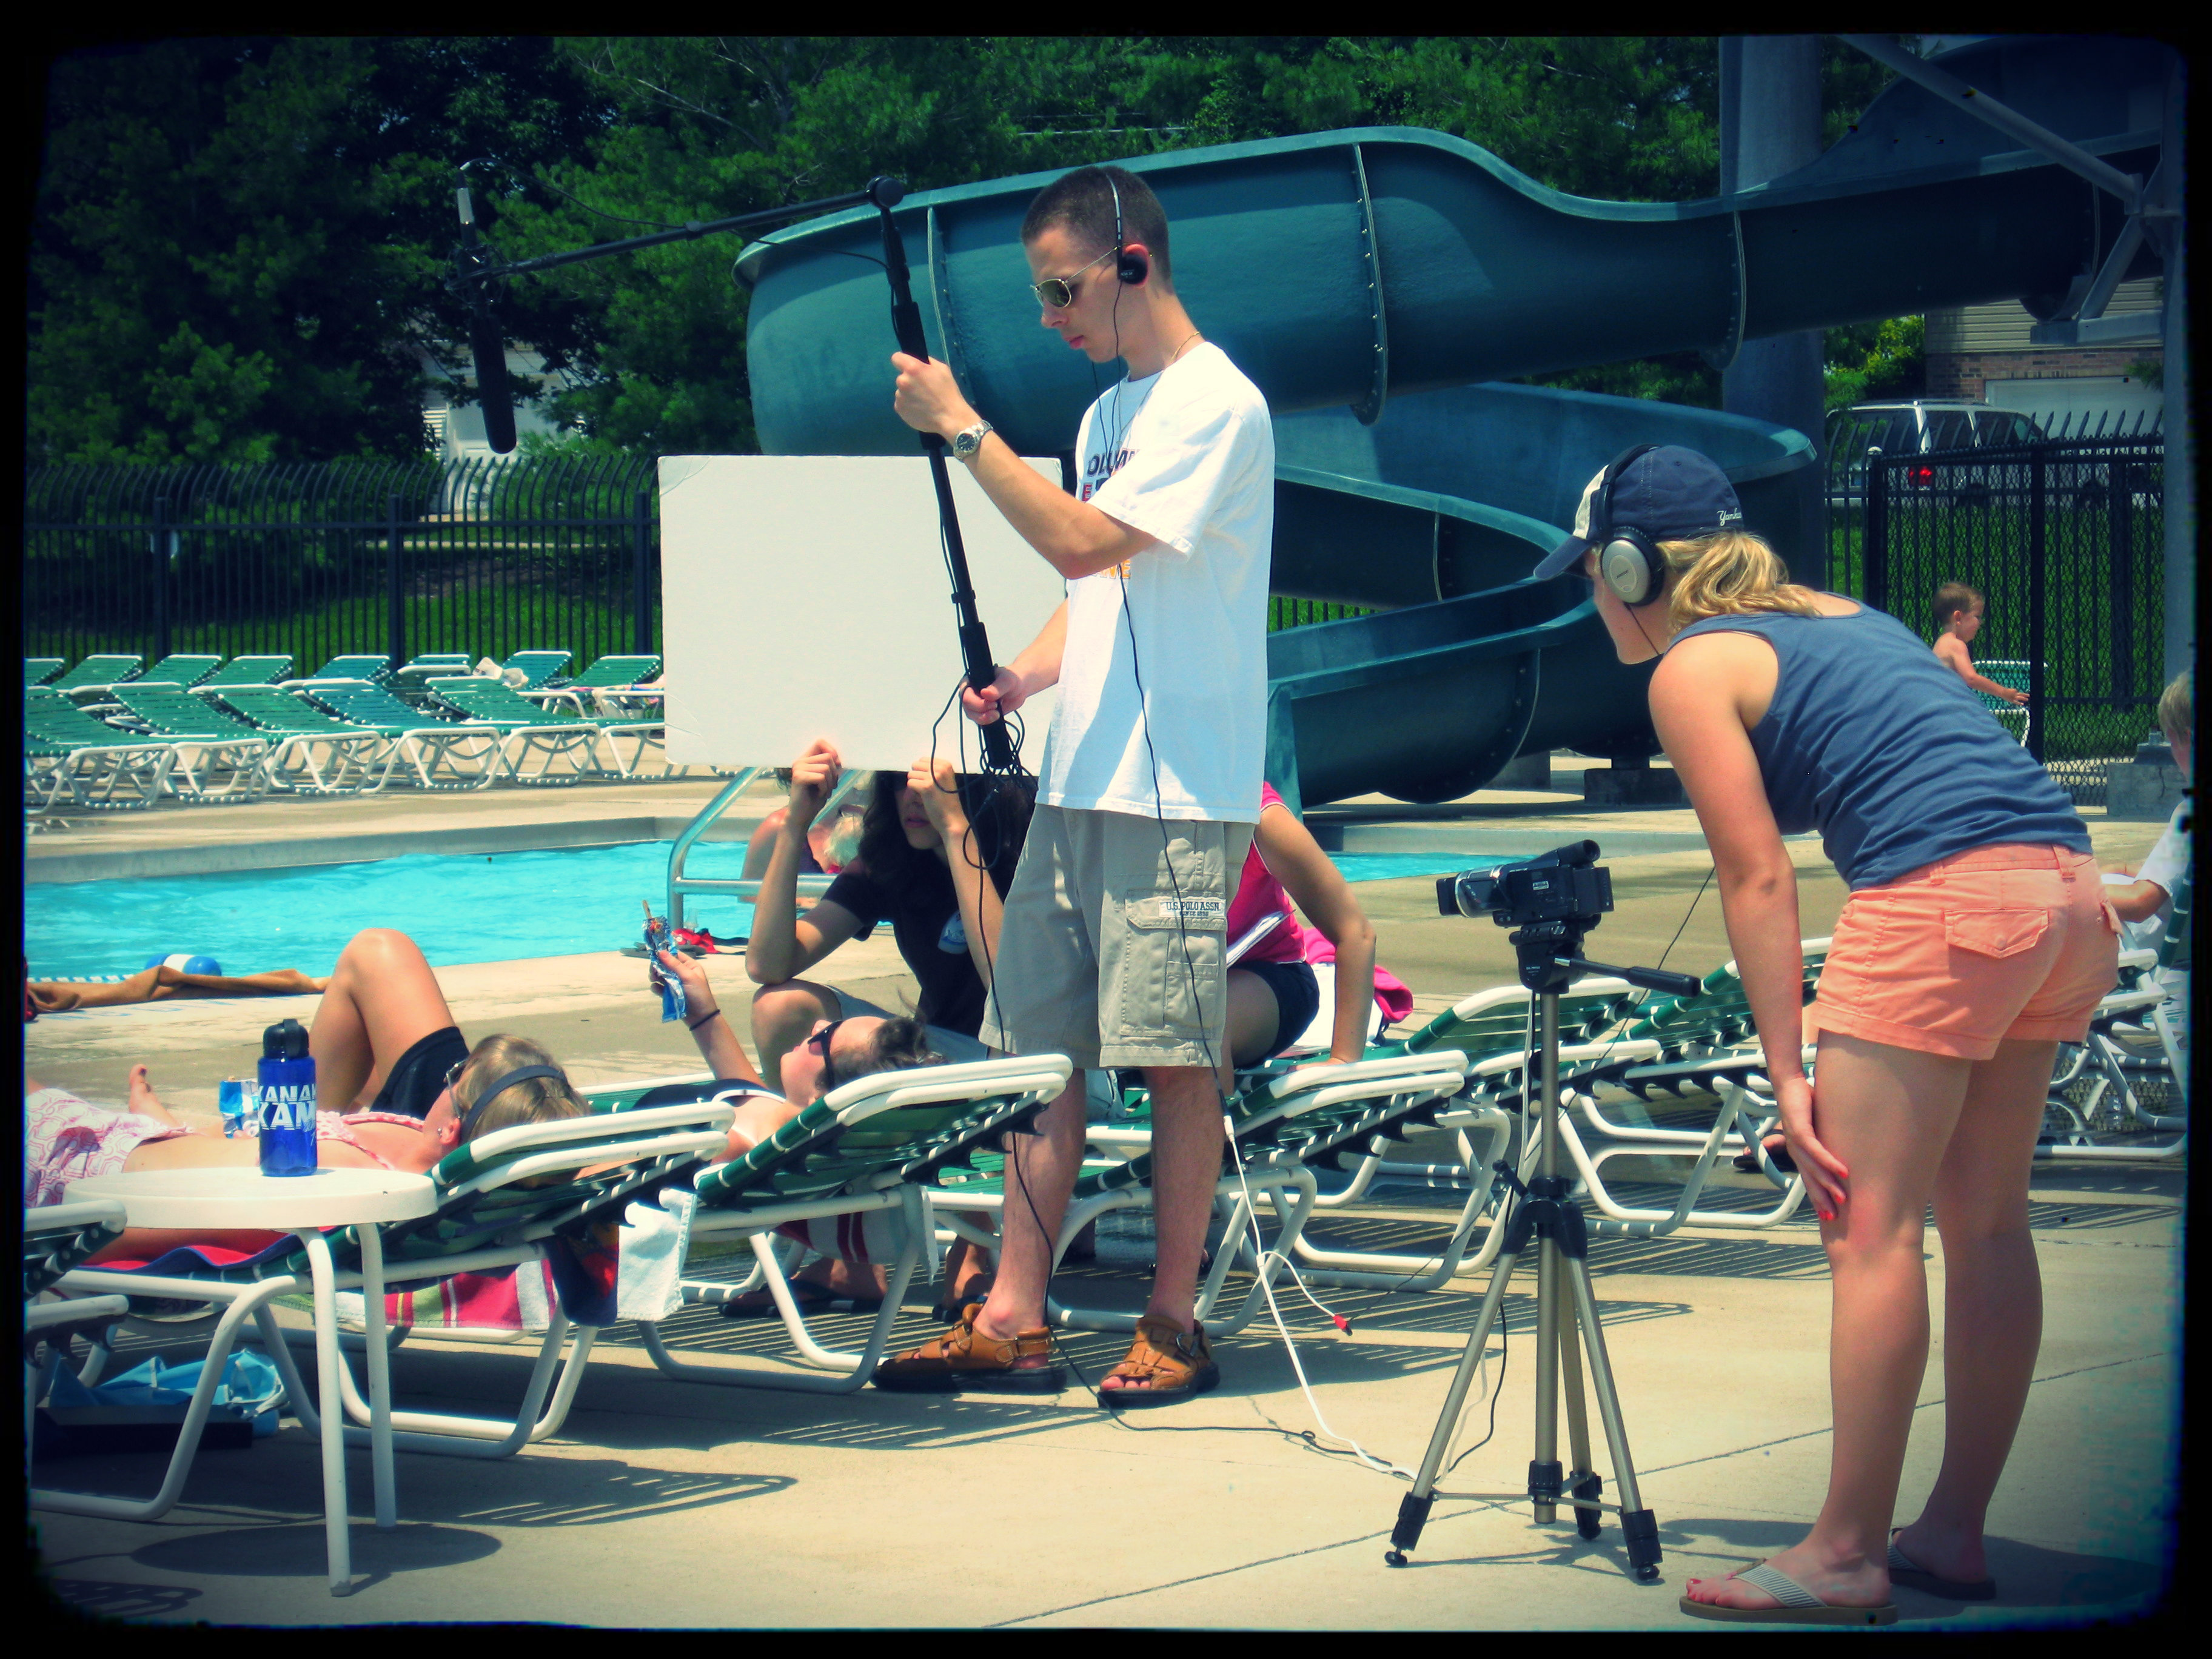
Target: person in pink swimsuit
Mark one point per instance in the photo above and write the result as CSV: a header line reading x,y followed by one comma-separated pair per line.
x,y
1272,992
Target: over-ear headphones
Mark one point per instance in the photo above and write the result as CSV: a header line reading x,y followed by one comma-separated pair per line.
x,y
1130,267
1628,562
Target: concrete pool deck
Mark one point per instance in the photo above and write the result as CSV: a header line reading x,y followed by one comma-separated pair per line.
x,y
672,1504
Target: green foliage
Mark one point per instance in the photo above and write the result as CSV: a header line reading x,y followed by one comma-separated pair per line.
x,y
238,246
1869,362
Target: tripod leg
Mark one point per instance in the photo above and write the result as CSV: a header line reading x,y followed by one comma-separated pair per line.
x,y
1545,1478
1413,1508
1639,1529
1582,1479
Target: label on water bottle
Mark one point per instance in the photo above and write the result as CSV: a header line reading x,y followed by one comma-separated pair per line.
x,y
287,1128
287,1106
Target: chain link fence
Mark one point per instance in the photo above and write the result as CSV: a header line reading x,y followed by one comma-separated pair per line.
x,y
2066,540
487,557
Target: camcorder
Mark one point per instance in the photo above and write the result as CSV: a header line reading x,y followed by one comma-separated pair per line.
x,y
1567,884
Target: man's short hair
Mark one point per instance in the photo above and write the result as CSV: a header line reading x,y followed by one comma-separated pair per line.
x,y
1082,204
2176,710
1953,597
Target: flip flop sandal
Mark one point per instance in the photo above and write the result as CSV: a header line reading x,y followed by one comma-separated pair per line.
x,y
1799,1605
808,1297
1171,1364
1903,1571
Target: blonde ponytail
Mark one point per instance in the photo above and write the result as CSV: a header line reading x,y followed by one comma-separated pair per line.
x,y
1729,574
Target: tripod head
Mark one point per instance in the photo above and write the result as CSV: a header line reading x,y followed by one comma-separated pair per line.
x,y
1550,902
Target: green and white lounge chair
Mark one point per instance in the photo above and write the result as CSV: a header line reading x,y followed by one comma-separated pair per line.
x,y
1270,1123
220,758
872,1145
71,760
411,679
182,671
56,1238
536,667
249,670
371,668
438,753
2014,717
544,736
99,671
490,1216
588,693
314,753
37,670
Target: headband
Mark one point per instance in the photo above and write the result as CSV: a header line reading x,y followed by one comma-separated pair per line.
x,y
522,1075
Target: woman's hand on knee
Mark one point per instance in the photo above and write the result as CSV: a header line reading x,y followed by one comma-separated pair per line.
x,y
1825,1173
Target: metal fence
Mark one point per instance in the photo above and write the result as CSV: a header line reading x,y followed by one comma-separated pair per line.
x,y
487,557
2066,539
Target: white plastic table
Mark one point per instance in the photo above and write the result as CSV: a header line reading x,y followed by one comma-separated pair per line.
x,y
238,1197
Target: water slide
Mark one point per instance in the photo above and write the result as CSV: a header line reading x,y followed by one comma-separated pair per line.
x,y
1380,284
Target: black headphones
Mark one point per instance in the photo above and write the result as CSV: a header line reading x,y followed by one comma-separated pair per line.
x,y
1129,268
1628,561
522,1074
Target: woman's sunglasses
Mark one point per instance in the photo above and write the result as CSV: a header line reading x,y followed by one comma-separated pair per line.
x,y
453,1073
1058,292
819,1043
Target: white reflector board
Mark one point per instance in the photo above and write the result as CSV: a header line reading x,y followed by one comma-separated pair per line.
x,y
805,597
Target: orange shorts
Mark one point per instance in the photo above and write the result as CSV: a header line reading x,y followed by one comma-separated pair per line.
x,y
1999,942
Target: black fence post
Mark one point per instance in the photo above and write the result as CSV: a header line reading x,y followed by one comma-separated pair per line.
x,y
2119,532
640,521
161,534
2038,552
1873,536
395,638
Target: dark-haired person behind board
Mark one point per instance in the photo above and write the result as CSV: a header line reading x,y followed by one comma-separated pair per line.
x,y
1115,936
1975,940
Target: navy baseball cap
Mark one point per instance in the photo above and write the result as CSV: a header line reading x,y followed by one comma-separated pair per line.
x,y
1670,494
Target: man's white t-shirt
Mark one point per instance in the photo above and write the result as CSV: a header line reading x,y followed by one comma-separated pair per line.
x,y
2167,863
1187,456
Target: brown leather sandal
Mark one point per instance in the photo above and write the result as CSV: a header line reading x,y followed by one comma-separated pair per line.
x,y
1167,1364
963,1357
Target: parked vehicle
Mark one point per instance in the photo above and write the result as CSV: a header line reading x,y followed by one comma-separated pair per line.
x,y
1925,426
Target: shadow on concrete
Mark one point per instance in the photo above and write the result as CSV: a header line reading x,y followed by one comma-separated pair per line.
x,y
298,1550
97,1598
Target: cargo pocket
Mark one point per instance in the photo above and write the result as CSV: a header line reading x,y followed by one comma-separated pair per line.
x,y
1996,934
1170,968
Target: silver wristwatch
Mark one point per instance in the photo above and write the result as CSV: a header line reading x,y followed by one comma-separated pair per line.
x,y
966,444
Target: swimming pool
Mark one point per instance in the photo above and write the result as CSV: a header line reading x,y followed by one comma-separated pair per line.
x,y
503,906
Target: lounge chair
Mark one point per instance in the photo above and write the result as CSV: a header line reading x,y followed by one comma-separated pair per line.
x,y
373,668
249,670
587,692
411,679
548,734
2098,1086
220,758
1271,1123
439,753
872,1145
72,760
314,754
99,671
179,669
489,1218
2014,717
37,670
56,1238
536,667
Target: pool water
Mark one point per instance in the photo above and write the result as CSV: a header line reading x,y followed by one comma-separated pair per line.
x,y
503,906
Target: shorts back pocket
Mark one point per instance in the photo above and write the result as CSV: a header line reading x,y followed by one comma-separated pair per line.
x,y
1996,934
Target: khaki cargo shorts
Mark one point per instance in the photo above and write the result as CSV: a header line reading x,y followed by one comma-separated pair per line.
x,y
1111,949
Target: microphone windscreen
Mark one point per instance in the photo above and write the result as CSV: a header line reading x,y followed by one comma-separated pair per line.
x,y
490,354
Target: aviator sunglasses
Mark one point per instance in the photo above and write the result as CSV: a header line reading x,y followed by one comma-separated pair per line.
x,y
1058,292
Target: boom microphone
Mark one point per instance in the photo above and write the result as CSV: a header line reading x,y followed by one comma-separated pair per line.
x,y
485,346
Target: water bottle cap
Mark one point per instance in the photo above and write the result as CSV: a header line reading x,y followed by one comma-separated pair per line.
x,y
286,1040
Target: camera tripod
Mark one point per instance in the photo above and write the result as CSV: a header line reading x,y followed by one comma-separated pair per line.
x,y
1545,1215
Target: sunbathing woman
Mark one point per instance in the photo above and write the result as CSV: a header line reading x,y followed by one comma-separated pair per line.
x,y
1975,940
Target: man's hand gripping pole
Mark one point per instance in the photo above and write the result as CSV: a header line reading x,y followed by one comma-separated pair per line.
x,y
999,754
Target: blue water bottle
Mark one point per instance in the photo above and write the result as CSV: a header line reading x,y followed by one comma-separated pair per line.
x,y
287,1101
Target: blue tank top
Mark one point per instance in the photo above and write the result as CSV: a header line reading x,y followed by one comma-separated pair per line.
x,y
1872,741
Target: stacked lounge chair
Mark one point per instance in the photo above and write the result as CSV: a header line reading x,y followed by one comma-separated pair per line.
x,y
71,760
101,672
543,736
373,668
250,670
37,670
439,754
314,753
220,758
